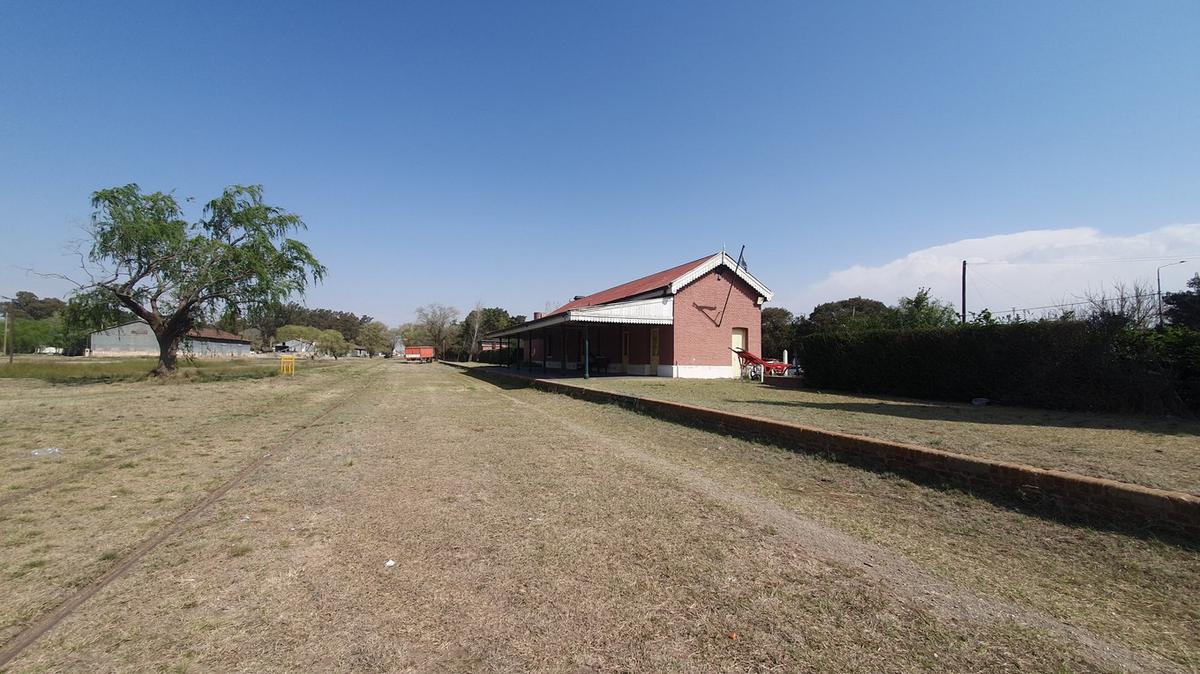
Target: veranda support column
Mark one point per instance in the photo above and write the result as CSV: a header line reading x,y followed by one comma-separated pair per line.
x,y
586,355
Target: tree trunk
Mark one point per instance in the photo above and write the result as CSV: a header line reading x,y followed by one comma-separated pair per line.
x,y
168,348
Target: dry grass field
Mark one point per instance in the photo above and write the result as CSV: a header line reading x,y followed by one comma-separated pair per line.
x,y
529,532
1159,452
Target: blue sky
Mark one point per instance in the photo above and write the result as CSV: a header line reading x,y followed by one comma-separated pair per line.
x,y
520,153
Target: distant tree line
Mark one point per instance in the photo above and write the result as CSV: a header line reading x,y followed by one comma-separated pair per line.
x,y
36,322
438,325
781,329
39,322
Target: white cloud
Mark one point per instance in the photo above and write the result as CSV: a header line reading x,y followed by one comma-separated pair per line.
x,y
1024,269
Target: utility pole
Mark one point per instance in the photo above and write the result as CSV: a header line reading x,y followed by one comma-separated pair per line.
x,y
964,293
1158,275
7,325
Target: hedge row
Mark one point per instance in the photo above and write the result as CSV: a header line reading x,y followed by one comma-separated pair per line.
x,y
1071,365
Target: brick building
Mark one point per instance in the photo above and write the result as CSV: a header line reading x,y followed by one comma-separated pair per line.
x,y
679,322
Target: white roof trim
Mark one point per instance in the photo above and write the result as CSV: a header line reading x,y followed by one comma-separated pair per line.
x,y
721,259
653,311
535,324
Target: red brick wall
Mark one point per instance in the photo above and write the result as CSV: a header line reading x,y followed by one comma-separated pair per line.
x,y
698,340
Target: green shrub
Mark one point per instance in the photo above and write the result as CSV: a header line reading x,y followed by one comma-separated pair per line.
x,y
1070,365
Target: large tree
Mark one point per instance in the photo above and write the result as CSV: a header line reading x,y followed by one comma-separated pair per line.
x,y
412,334
28,305
437,322
923,311
375,337
854,313
306,333
778,331
1184,308
332,343
479,322
148,259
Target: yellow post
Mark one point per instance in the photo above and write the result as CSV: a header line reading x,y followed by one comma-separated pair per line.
x,y
287,365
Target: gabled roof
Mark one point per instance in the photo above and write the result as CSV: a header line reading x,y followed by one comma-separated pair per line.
x,y
635,287
634,302
194,333
672,280
213,333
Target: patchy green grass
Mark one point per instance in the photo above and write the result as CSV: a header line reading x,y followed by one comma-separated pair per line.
x,y
101,371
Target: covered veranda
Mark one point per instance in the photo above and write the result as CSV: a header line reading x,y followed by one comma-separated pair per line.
x,y
627,338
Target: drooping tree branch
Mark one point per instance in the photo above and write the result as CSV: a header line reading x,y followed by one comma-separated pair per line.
x,y
146,258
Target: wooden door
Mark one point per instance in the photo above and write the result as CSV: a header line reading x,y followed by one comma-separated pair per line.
x,y
654,352
739,342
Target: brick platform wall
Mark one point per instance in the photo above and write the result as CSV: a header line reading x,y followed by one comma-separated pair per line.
x,y
1050,491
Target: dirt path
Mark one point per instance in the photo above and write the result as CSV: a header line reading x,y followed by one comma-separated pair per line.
x,y
530,532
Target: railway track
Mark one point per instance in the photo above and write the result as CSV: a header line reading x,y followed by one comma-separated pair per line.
x,y
50,619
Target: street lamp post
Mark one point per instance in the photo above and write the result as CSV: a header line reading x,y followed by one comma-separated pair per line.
x,y
1158,275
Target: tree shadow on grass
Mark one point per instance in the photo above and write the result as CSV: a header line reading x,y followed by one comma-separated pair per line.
x,y
1010,416
498,377
1033,504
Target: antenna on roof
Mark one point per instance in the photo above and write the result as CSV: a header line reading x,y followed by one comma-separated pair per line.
x,y
729,292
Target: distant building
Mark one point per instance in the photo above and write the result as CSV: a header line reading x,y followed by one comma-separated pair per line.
x,y
296,346
359,352
135,338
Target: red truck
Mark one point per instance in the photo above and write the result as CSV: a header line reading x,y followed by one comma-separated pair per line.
x,y
418,354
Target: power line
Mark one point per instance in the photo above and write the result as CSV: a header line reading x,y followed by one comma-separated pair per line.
x,y
1095,261
1061,262
1007,292
1098,300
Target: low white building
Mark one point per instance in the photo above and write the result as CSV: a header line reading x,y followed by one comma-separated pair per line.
x,y
135,338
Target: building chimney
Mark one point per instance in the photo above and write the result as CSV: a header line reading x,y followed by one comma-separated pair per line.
x,y
537,315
